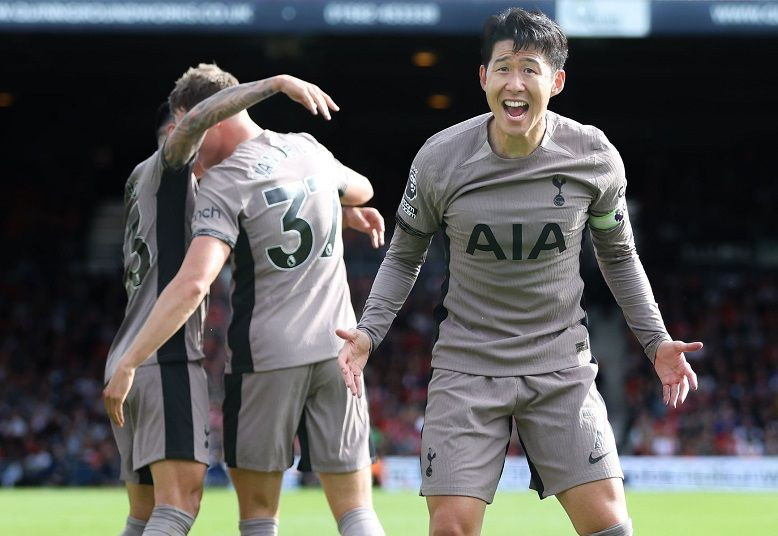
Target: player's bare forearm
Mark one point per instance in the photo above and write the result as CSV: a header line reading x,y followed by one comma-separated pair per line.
x,y
176,303
174,306
179,299
190,130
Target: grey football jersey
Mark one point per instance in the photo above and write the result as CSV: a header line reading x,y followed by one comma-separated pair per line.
x,y
159,202
275,201
512,232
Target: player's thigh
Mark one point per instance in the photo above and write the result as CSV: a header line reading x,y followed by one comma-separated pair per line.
x,y
336,430
563,427
258,492
346,491
262,411
467,426
595,506
455,515
167,418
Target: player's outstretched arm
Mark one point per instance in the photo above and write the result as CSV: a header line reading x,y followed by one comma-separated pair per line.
x,y
190,130
365,220
203,261
674,371
353,357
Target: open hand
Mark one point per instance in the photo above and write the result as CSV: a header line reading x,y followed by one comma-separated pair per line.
x,y
365,220
307,94
674,371
353,357
115,393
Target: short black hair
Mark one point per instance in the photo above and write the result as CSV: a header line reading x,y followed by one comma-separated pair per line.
x,y
163,118
527,29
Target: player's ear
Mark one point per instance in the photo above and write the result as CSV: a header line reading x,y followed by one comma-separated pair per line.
x,y
482,76
558,83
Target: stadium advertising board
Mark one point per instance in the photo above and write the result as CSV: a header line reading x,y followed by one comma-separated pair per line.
x,y
580,18
705,473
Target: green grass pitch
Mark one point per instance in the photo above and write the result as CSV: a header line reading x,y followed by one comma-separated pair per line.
x,y
87,512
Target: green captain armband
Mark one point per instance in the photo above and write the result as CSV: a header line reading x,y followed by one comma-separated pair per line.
x,y
608,221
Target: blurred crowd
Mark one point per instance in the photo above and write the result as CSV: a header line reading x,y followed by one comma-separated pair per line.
x,y
57,322
735,409
733,412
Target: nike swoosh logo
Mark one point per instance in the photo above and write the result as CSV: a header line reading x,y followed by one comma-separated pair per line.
x,y
594,460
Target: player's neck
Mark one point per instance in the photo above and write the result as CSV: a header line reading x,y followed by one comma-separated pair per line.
x,y
507,146
243,130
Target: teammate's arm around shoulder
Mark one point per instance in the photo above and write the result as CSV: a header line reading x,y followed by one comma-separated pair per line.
x,y
188,135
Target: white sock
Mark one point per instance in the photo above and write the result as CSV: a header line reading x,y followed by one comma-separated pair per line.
x,y
134,527
168,520
360,522
258,526
622,529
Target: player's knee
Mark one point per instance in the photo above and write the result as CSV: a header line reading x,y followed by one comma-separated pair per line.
x,y
195,498
450,524
348,491
188,497
621,529
194,506
256,503
448,529
183,496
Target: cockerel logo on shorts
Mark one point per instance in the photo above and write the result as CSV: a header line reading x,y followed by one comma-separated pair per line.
x,y
430,456
410,190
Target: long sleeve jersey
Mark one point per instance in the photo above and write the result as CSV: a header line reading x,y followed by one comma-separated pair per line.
x,y
512,231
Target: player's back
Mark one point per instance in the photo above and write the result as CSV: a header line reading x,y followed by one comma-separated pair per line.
x,y
289,282
158,206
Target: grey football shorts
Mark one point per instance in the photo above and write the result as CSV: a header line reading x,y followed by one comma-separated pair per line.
x,y
165,418
263,411
560,418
